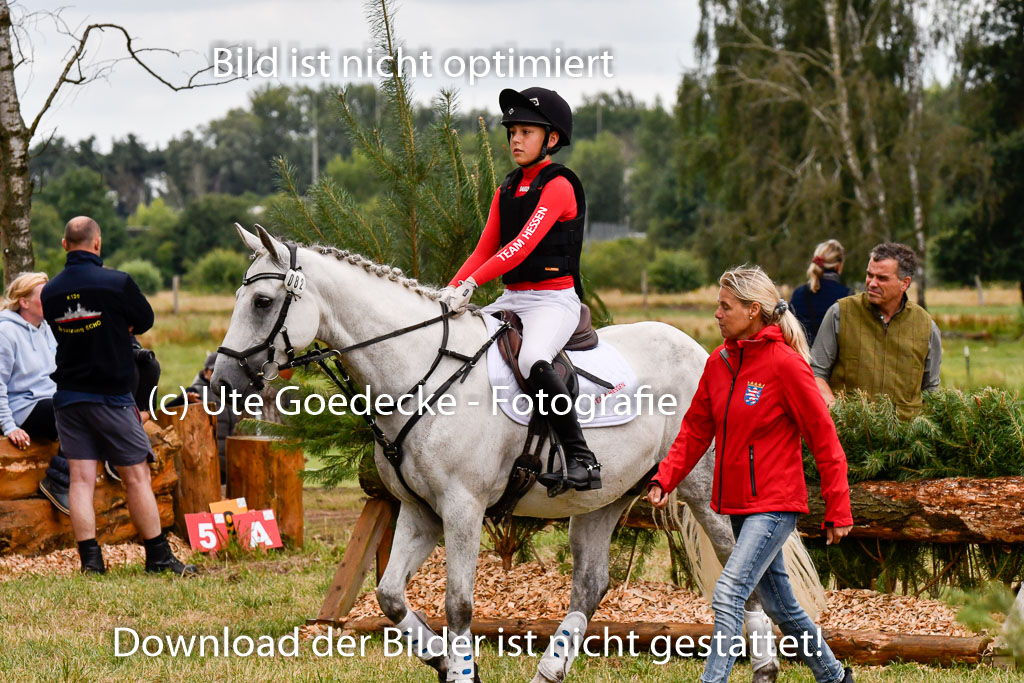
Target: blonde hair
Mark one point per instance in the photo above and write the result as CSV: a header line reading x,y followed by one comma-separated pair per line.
x,y
750,284
827,256
20,288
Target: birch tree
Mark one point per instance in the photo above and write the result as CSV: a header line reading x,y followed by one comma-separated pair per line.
x,y
18,130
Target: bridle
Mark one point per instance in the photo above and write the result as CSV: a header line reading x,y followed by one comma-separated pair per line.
x,y
294,285
294,282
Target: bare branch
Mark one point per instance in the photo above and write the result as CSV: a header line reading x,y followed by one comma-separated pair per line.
x,y
77,53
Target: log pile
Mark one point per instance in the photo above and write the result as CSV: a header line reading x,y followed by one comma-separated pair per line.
x,y
955,510
30,525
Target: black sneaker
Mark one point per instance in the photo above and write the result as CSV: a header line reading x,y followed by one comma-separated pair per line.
x,y
57,494
848,678
160,559
111,471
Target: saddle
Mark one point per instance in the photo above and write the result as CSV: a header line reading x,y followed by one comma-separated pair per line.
x,y
583,338
528,465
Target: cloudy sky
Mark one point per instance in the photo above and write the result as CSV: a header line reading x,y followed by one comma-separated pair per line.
x,y
649,42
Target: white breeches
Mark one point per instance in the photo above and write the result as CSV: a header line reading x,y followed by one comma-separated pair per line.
x,y
549,316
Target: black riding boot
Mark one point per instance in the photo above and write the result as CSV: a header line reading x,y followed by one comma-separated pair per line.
x,y
582,469
159,558
92,557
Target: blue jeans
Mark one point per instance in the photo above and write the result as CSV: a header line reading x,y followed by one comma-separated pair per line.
x,y
756,564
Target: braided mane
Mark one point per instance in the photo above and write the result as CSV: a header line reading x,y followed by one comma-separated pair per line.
x,y
379,269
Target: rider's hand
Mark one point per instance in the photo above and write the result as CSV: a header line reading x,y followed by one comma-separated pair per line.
x,y
834,534
20,438
447,294
463,293
657,496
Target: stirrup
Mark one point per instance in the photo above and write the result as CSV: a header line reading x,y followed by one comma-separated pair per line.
x,y
557,481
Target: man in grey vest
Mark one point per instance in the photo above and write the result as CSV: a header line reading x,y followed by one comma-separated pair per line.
x,y
880,341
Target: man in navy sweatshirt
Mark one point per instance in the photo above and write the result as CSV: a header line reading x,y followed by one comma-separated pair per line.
x,y
93,311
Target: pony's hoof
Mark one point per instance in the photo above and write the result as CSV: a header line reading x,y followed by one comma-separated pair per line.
x,y
767,673
540,678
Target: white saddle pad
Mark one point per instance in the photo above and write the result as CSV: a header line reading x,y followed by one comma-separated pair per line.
x,y
597,406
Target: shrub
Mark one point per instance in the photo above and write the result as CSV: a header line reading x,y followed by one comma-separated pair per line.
x,y
219,271
616,264
145,274
677,270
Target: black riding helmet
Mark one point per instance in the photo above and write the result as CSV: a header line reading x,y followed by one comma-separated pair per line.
x,y
538,107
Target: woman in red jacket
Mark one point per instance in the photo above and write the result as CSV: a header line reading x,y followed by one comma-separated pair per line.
x,y
756,398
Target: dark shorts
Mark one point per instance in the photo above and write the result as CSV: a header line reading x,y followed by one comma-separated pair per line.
x,y
96,431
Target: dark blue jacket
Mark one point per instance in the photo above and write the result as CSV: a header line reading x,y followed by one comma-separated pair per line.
x,y
90,309
809,307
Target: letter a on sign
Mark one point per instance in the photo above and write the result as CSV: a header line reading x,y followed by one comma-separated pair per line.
x,y
258,528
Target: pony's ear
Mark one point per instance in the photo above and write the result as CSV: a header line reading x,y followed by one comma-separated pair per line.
x,y
277,251
251,241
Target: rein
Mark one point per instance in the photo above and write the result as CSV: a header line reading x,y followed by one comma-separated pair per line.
x,y
294,282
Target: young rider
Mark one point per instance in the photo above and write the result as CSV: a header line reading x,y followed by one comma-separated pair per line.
x,y
532,239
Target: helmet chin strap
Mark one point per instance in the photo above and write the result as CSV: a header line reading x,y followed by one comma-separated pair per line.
x,y
543,148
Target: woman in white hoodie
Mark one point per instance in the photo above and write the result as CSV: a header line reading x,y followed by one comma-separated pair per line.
x,y
27,350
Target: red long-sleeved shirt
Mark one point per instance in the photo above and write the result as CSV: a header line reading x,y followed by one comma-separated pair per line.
x,y
488,261
756,419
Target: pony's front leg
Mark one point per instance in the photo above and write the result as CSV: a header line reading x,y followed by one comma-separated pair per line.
x,y
590,536
417,531
463,523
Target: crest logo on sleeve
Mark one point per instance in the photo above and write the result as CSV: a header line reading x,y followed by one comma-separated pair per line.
x,y
753,393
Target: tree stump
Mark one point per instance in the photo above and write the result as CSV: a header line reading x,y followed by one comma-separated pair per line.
x,y
197,461
265,472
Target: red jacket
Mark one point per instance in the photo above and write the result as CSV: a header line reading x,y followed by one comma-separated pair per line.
x,y
756,398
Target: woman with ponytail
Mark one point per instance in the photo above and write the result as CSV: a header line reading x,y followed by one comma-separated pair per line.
x,y
823,288
756,398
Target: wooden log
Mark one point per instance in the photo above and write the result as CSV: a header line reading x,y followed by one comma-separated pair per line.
x,y
957,510
197,460
266,473
860,647
22,470
377,515
33,526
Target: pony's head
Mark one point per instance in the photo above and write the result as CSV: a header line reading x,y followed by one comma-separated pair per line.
x,y
275,311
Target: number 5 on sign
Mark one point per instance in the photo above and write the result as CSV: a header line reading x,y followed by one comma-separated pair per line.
x,y
206,531
258,528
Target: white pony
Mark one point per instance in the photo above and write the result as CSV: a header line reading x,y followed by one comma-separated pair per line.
x,y
459,464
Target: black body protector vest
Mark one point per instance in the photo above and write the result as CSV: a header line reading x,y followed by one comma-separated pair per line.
x,y
558,254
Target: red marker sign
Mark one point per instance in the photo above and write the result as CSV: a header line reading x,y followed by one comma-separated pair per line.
x,y
206,531
258,528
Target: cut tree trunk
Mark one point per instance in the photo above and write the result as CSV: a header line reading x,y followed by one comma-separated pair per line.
x,y
957,510
266,473
22,470
197,461
861,647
